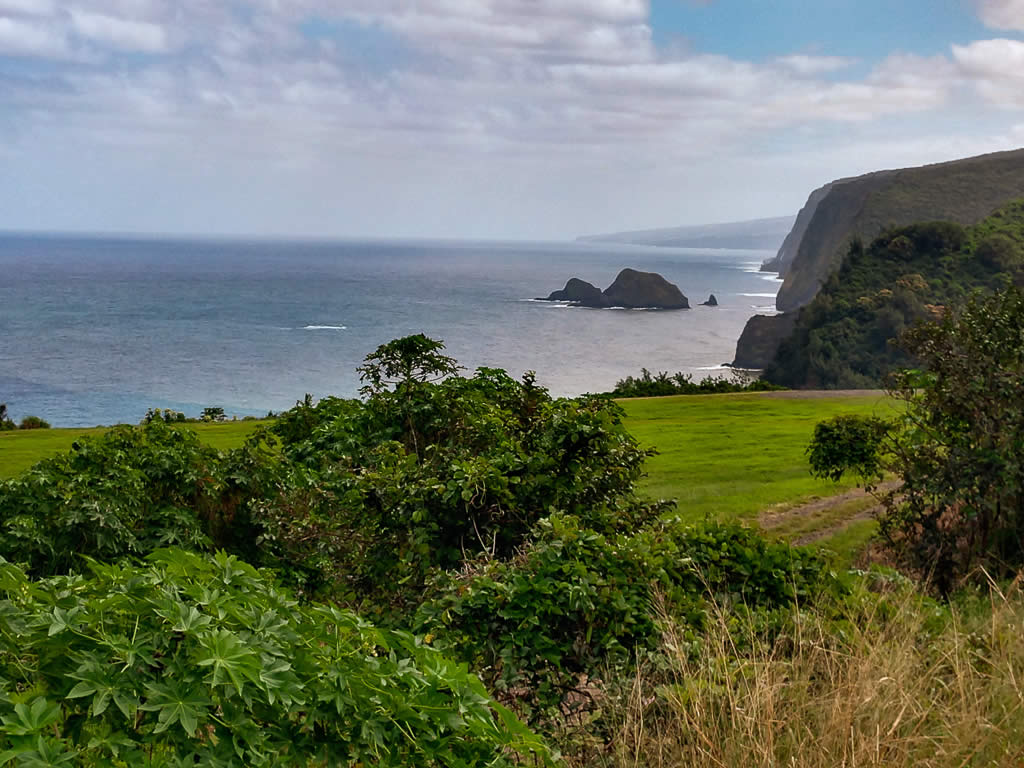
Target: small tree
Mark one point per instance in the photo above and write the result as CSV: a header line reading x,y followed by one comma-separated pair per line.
x,y
213,414
5,421
958,447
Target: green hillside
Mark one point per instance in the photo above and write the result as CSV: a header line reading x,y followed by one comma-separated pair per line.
x,y
963,192
844,338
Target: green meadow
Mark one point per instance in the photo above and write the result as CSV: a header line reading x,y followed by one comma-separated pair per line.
x,y
20,449
734,456
727,457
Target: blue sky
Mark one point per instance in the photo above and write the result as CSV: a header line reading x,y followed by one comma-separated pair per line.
x,y
867,29
482,118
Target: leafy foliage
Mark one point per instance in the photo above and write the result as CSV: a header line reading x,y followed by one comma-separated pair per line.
x,y
428,475
662,384
961,450
33,422
844,338
845,444
958,446
5,420
199,660
127,493
577,603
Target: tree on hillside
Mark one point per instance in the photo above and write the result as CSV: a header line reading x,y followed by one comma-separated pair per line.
x,y
958,447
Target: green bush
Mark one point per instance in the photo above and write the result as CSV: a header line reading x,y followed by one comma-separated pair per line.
x,y
33,422
428,475
128,492
200,661
663,385
540,627
848,444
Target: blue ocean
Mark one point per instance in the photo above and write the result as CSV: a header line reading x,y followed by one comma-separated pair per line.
x,y
96,330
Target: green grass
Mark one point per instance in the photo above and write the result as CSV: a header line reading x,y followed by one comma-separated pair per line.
x,y
733,456
720,456
19,449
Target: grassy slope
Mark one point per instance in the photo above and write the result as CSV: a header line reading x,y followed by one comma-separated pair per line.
x,y
733,456
20,450
720,456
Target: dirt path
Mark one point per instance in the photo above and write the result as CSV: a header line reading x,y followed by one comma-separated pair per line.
x,y
772,519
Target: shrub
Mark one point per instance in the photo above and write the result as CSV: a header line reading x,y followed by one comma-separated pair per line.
x,y
128,492
33,422
957,447
199,660
429,474
662,385
576,603
848,444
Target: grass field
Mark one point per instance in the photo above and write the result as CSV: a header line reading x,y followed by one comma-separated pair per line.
x,y
721,456
736,457
19,450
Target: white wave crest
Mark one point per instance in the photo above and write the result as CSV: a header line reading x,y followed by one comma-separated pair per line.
x,y
324,328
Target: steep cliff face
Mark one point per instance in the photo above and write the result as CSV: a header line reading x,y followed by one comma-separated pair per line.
x,y
761,338
962,191
784,258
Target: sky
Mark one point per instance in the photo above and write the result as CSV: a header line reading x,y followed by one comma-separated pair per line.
x,y
503,119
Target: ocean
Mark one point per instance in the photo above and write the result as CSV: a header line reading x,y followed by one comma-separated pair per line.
x,y
96,330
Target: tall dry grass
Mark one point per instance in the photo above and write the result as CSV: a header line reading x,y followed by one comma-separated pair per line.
x,y
897,681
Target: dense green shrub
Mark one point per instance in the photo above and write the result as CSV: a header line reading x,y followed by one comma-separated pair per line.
x,y
544,625
958,446
425,475
129,492
848,444
200,661
662,385
33,422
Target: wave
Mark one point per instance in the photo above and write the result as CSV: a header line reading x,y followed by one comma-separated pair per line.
x,y
324,328
759,295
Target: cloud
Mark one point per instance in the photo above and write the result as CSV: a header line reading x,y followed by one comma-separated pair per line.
x,y
31,38
1002,14
122,34
802,64
27,7
368,99
996,68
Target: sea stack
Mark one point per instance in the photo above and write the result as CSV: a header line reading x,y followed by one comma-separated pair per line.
x,y
644,290
580,292
711,302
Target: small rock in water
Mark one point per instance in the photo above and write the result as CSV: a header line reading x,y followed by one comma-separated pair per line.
x,y
711,302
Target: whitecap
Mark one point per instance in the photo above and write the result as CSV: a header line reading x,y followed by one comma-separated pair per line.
x,y
759,295
324,328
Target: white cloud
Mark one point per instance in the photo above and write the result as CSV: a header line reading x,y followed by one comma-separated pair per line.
x,y
27,7
123,34
571,93
802,64
996,67
31,38
1002,14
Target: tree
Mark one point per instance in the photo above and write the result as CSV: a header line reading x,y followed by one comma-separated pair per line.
x,y
958,447
213,414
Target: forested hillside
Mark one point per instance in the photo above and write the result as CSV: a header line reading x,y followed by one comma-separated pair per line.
x,y
845,337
